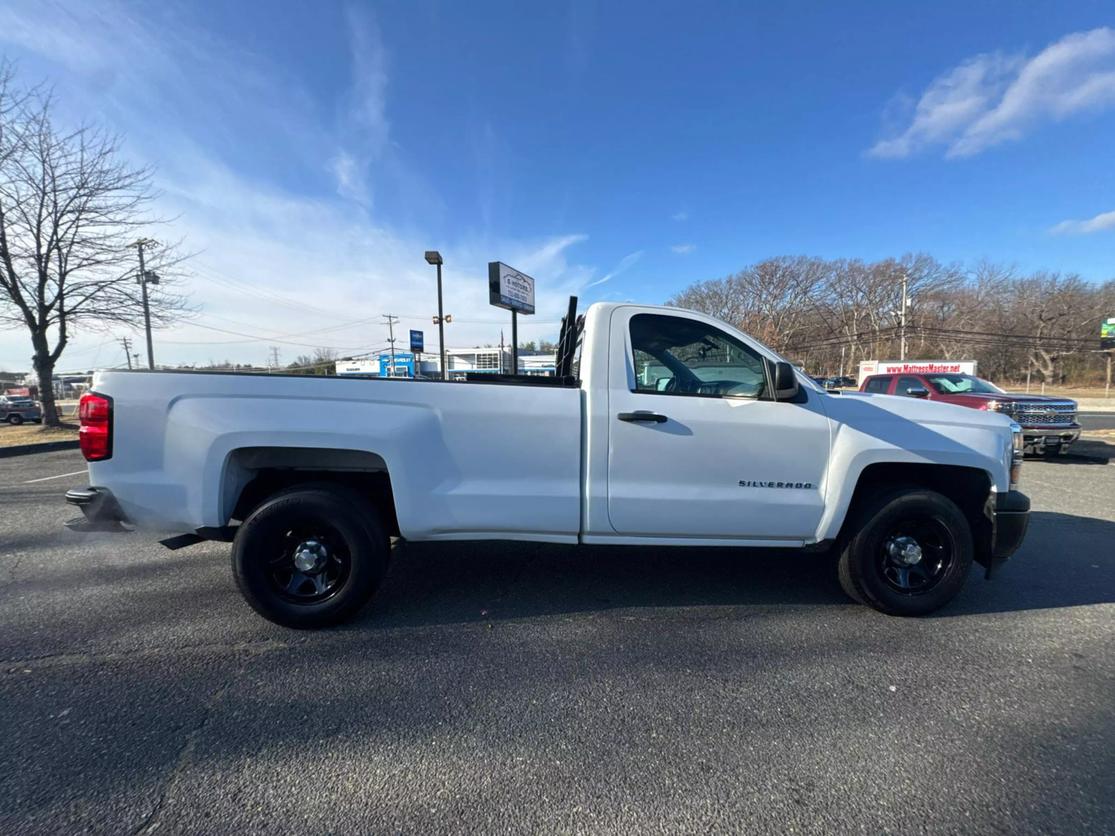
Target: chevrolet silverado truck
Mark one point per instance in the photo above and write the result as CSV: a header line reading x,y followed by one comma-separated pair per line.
x,y
662,427
1048,424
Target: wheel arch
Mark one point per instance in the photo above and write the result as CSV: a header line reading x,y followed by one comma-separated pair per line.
x,y
252,474
968,487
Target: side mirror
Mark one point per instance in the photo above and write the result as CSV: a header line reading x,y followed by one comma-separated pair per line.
x,y
917,392
784,380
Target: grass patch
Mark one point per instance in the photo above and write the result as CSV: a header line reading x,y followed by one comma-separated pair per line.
x,y
35,434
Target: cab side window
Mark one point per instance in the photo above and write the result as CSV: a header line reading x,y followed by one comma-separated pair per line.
x,y
678,356
878,385
907,383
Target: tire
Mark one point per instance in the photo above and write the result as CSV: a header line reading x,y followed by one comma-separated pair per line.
x,y
332,529
15,420
879,565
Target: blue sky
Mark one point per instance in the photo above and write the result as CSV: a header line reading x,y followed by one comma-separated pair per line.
x,y
311,152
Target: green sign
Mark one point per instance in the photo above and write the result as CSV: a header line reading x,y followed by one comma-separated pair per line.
x,y
1107,333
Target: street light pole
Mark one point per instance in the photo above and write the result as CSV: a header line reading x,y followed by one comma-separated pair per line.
x,y
434,257
441,326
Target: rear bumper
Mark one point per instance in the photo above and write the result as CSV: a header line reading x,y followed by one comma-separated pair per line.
x,y
1010,517
99,511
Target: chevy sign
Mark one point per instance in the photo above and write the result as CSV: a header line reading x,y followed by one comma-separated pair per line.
x,y
510,289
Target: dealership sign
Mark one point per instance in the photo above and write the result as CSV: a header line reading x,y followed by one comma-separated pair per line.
x,y
510,289
399,364
417,342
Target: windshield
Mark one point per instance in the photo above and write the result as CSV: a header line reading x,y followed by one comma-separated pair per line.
x,y
962,384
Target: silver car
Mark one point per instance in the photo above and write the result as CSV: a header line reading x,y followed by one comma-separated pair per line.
x,y
16,410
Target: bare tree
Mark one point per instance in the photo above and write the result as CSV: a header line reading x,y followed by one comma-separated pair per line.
x,y
322,362
70,208
829,314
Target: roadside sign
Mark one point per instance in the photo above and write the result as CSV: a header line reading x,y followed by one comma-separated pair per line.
x,y
510,289
869,367
417,338
1107,333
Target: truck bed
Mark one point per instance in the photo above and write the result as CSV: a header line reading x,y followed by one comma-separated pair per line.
x,y
464,459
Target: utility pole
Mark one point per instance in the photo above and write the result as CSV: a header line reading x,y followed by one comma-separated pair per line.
x,y
144,278
391,320
902,319
501,351
274,364
127,351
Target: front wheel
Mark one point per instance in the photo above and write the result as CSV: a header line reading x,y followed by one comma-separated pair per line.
x,y
909,554
310,556
15,420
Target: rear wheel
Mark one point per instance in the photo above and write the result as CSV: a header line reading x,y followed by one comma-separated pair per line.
x,y
910,552
15,420
310,556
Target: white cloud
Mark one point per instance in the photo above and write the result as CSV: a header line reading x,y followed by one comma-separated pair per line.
x,y
625,263
1100,223
366,125
680,216
683,249
350,177
996,98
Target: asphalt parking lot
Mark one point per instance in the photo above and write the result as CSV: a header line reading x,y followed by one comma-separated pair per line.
x,y
529,688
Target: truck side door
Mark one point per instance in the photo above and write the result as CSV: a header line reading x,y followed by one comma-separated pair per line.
x,y
696,449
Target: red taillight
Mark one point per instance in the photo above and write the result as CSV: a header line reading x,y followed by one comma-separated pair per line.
x,y
95,435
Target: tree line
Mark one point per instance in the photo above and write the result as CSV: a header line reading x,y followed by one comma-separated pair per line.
x,y
829,314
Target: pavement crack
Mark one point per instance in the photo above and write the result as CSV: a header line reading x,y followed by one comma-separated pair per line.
x,y
184,758
14,565
77,657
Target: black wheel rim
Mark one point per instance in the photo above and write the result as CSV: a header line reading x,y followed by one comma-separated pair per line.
x,y
915,555
309,562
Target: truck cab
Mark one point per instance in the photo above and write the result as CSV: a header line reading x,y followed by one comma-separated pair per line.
x,y
662,427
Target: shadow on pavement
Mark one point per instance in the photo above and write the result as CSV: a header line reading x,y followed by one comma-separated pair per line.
x,y
1066,561
1085,451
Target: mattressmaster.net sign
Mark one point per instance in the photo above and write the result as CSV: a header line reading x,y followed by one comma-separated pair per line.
x,y
510,289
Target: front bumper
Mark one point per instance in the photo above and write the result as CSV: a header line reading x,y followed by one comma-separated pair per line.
x,y
1055,438
99,509
1010,517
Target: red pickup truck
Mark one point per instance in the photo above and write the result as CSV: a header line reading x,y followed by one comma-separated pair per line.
x,y
1048,424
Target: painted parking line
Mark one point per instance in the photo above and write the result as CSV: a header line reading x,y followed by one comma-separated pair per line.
x,y
48,478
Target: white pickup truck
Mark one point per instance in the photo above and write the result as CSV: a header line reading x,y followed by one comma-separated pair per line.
x,y
663,427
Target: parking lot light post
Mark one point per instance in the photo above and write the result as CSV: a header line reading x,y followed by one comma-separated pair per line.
x,y
434,257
